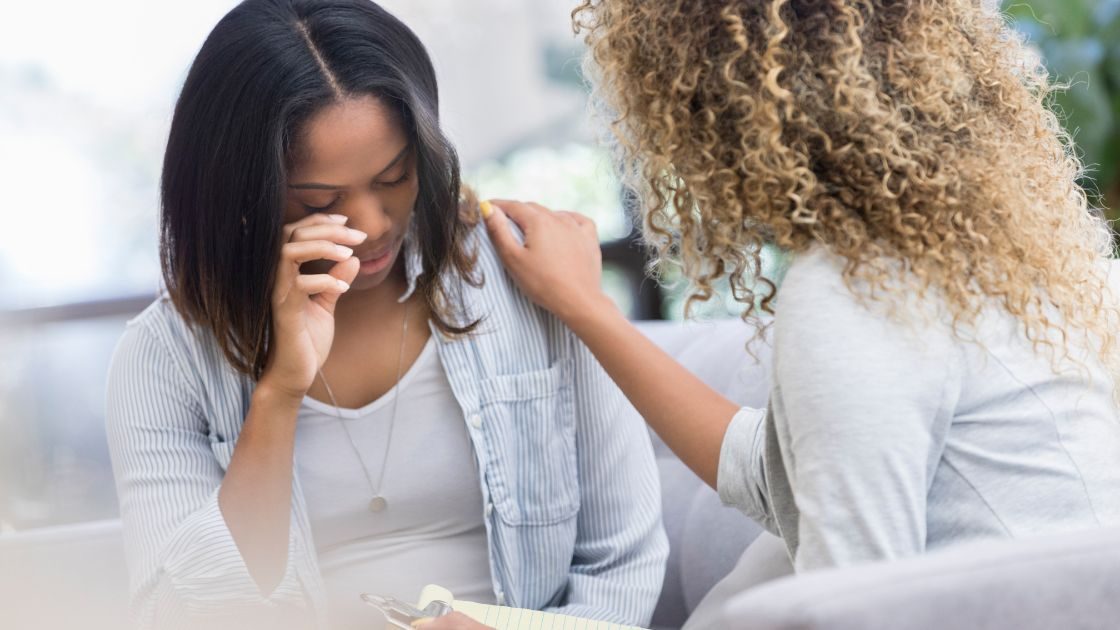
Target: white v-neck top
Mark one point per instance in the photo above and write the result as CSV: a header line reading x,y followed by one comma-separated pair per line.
x,y
432,530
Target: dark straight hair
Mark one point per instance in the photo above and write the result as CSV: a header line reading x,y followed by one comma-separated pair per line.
x,y
263,71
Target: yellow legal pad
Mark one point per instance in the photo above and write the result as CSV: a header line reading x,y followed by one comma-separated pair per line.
x,y
506,618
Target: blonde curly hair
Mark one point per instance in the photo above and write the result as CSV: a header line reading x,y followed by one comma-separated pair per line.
x,y
886,131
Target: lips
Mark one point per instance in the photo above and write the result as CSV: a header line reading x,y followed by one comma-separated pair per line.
x,y
374,255
376,260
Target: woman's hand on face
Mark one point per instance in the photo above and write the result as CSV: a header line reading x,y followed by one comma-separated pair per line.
x,y
452,621
559,266
303,304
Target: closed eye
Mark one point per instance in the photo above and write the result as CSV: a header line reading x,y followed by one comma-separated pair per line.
x,y
396,182
314,209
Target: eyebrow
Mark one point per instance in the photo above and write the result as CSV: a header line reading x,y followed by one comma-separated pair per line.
x,y
318,186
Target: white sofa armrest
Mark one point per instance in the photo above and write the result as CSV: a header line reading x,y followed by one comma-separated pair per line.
x,y
71,576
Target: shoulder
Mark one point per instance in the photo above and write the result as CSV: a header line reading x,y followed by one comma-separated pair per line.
x,y
160,319
498,288
488,264
160,343
161,325
508,318
815,280
815,300
821,320
815,292
157,330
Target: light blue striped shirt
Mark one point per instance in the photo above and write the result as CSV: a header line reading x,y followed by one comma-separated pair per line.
x,y
572,498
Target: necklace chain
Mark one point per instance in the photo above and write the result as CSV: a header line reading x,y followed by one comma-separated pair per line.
x,y
378,502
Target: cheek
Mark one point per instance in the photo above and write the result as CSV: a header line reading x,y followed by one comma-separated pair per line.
x,y
404,199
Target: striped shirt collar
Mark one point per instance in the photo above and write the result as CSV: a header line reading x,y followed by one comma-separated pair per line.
x,y
413,263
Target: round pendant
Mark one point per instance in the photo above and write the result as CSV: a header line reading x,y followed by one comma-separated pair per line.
x,y
378,504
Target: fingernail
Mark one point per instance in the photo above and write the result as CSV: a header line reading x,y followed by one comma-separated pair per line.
x,y
359,234
345,251
419,622
486,209
342,285
338,218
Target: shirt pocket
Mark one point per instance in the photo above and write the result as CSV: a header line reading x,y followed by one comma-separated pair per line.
x,y
529,433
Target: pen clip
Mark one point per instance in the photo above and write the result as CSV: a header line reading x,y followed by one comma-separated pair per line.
x,y
401,614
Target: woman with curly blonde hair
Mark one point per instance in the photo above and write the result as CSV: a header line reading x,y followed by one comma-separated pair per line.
x,y
944,342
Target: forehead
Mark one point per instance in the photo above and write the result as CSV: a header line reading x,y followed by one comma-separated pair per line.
x,y
357,131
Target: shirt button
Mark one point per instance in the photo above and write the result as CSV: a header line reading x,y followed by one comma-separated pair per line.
x,y
489,509
501,598
476,421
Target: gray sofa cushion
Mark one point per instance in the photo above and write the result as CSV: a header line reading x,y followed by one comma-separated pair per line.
x,y
1069,582
705,538
765,560
712,541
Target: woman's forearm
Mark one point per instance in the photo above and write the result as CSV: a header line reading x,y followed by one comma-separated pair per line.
x,y
687,414
256,494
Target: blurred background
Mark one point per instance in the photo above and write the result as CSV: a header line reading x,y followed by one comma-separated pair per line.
x,y
84,114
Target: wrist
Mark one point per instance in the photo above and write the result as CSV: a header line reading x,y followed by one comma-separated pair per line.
x,y
590,314
274,395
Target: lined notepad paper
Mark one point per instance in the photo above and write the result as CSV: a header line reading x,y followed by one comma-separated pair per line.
x,y
506,618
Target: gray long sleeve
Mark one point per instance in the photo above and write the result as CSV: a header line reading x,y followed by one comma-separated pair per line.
x,y
886,435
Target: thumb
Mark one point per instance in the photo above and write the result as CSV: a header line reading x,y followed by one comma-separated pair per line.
x,y
497,225
345,271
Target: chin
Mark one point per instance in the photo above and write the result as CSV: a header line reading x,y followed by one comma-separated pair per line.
x,y
365,283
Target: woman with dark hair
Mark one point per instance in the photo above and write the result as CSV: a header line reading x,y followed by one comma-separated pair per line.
x,y
341,391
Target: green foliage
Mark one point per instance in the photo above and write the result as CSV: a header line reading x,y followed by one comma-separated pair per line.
x,y
1079,40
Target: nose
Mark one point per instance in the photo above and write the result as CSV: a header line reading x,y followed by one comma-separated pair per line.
x,y
370,216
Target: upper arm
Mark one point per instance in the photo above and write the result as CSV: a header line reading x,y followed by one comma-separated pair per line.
x,y
862,405
162,459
